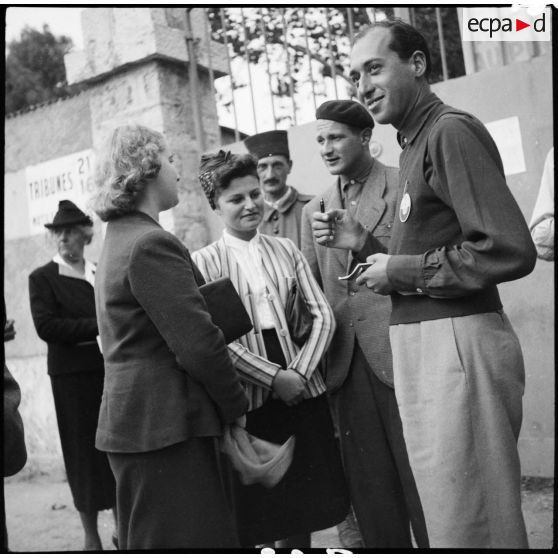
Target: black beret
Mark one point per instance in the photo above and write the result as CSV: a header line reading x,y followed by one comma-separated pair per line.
x,y
346,112
267,144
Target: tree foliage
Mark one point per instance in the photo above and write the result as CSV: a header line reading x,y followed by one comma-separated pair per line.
x,y
35,70
259,34
319,44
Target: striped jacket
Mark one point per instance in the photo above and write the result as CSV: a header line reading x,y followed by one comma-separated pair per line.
x,y
283,263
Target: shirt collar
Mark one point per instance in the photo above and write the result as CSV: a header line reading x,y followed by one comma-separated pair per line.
x,y
417,118
284,203
67,270
234,242
360,179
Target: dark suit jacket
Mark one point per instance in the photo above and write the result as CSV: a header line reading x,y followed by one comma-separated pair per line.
x,y
359,312
63,310
168,375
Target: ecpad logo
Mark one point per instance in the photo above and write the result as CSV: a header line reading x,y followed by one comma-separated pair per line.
x,y
495,24
505,24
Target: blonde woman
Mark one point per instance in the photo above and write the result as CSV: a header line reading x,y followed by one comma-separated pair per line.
x,y
170,384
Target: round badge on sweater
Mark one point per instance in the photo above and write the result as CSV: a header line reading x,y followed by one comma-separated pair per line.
x,y
405,207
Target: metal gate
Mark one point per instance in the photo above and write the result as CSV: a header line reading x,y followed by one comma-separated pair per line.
x,y
283,62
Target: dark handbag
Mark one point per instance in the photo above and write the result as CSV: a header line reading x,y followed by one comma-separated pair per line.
x,y
298,316
226,309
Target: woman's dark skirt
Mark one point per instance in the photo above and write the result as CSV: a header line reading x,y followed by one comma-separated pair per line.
x,y
77,399
312,495
173,498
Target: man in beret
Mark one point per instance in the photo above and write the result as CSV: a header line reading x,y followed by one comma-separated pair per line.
x,y
283,203
358,363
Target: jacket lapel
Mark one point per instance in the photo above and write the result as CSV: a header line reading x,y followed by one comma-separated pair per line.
x,y
333,201
372,205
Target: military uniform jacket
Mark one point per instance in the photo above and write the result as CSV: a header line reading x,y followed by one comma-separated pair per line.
x,y
285,220
359,312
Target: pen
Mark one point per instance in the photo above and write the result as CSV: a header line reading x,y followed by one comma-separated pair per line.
x,y
322,205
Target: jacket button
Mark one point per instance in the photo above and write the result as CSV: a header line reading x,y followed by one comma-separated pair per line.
x,y
275,231
352,293
275,217
283,333
351,324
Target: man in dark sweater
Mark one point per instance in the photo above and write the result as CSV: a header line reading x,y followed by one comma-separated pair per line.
x,y
458,232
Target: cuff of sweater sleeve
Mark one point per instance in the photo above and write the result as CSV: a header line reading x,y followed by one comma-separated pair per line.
x,y
405,274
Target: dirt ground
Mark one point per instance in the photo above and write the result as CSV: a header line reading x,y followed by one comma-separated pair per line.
x,y
41,516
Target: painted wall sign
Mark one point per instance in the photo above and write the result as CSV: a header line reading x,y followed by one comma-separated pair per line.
x,y
69,177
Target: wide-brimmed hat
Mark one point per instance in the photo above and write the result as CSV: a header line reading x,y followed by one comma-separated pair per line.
x,y
68,214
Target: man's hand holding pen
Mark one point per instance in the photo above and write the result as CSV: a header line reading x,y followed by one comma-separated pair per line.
x,y
336,228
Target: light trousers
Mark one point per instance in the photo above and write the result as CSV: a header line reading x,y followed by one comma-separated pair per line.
x,y
459,384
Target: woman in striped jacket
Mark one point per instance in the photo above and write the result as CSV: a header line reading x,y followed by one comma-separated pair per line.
x,y
285,389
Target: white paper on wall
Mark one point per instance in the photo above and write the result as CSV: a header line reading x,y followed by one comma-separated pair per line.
x,y
507,135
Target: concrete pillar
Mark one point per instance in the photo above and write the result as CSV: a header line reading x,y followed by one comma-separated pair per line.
x,y
135,63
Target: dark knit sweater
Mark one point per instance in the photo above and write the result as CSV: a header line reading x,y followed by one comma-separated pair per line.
x,y
465,232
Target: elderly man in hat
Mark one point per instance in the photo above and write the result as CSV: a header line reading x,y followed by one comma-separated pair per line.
x,y
358,363
284,203
63,309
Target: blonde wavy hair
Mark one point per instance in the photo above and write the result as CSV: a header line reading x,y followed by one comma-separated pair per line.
x,y
131,157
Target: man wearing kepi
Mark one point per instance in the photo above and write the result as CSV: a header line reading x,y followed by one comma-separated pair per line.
x,y
458,367
283,203
358,363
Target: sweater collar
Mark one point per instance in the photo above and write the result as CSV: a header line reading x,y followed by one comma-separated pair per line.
x,y
418,116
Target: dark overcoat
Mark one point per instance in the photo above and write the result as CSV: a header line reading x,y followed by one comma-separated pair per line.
x,y
63,310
